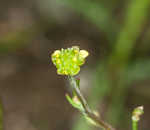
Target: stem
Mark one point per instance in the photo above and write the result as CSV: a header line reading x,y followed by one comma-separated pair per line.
x,y
134,125
87,109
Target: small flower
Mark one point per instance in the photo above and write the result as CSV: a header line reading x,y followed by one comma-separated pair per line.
x,y
68,61
137,112
76,100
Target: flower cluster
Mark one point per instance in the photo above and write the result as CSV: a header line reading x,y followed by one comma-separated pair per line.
x,y
68,61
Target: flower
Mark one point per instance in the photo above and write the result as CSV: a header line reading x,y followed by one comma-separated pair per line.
x,y
68,61
137,112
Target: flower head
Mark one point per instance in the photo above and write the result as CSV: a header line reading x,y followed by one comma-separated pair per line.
x,y
137,112
68,61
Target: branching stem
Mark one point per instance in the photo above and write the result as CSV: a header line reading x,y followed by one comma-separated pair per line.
x,y
88,111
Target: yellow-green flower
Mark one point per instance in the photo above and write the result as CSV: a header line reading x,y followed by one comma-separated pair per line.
x,y
68,61
137,112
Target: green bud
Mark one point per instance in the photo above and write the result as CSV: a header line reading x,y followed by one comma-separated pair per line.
x,y
90,120
68,61
137,112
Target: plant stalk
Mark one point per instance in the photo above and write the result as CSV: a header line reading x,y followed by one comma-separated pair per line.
x,y
88,111
134,125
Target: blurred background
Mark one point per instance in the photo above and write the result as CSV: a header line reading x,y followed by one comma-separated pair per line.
x,y
114,80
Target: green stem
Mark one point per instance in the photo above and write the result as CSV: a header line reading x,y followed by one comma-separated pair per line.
x,y
134,125
87,109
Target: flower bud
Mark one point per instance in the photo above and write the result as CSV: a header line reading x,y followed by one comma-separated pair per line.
x,y
137,112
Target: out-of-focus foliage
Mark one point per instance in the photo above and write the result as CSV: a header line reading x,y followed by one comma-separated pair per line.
x,y
17,39
1,117
96,13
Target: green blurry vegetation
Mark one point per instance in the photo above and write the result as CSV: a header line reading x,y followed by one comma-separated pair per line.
x,y
145,46
1,117
135,17
14,40
96,13
134,20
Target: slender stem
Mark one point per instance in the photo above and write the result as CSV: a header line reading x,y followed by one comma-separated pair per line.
x,y
87,109
134,125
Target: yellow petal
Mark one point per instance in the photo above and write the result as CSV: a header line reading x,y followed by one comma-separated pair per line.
x,y
83,53
56,53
